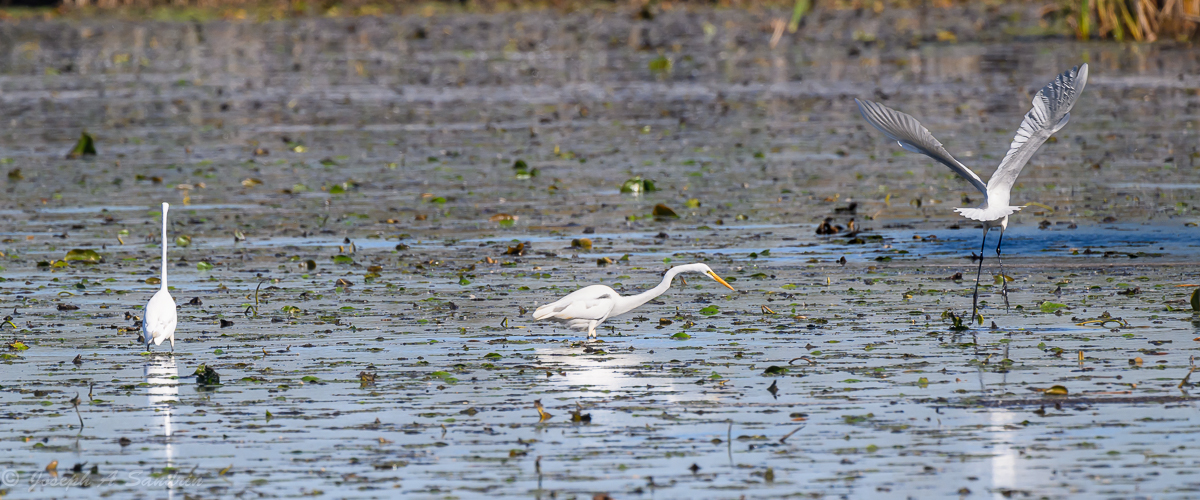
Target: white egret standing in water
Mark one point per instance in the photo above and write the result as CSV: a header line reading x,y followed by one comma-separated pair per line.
x,y
1051,111
159,318
586,308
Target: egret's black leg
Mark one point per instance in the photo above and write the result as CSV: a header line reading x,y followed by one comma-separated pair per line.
x,y
978,273
1003,278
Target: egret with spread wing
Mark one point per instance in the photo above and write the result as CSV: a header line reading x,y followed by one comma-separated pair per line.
x,y
586,308
1051,111
158,321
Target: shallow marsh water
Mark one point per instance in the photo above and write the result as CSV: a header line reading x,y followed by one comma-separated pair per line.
x,y
391,143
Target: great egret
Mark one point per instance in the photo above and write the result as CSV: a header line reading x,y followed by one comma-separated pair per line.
x,y
1051,111
586,308
159,318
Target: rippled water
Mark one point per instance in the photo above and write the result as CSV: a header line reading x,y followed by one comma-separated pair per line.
x,y
392,142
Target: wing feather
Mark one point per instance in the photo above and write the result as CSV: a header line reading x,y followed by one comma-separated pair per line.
x,y
592,303
1051,111
912,136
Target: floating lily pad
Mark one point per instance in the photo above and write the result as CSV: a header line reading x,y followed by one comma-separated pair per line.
x,y
86,146
83,255
1049,307
661,210
638,185
523,171
660,64
775,370
1056,390
205,375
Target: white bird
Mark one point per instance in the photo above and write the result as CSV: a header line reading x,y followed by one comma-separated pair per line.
x,y
159,318
586,308
1051,111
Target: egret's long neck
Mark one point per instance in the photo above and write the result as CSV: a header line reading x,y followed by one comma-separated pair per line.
x,y
633,301
164,248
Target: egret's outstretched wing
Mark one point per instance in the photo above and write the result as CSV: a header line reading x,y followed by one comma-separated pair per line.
x,y
911,135
1051,112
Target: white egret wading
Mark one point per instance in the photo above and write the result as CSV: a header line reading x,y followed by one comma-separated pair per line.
x,y
586,308
159,318
1051,111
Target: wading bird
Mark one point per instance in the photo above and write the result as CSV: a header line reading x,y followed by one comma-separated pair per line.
x,y
159,318
1051,111
586,308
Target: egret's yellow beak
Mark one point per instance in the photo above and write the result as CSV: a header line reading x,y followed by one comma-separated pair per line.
x,y
719,280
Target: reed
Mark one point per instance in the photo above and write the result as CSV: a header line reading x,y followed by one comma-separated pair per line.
x,y
1121,20
1139,20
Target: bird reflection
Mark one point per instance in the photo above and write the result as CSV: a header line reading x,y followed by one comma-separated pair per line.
x,y
162,377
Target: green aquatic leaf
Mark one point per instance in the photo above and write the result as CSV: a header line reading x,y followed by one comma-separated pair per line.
x,y
660,64
444,376
83,255
1196,300
203,266
1056,390
709,311
183,241
775,370
1049,307
522,170
343,259
86,146
205,375
638,185
663,211
681,336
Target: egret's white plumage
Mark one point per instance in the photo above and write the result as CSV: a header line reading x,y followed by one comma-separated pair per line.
x,y
586,308
159,318
1051,112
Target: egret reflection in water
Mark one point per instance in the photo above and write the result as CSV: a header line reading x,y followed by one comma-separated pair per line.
x,y
162,377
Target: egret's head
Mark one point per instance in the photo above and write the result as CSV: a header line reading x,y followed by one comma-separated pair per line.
x,y
706,270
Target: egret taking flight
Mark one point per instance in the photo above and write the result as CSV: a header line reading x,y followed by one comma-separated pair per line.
x,y
159,318
586,308
1051,111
